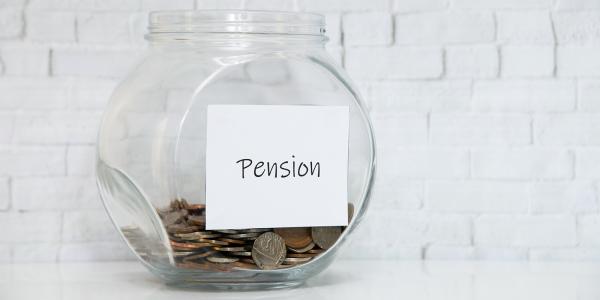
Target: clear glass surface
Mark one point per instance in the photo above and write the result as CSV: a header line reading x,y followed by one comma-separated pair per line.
x,y
151,144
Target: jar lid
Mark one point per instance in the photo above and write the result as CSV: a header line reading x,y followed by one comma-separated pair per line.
x,y
236,21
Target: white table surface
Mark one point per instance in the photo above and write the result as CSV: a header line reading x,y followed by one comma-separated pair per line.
x,y
371,280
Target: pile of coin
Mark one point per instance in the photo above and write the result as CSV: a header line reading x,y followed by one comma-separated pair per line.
x,y
194,247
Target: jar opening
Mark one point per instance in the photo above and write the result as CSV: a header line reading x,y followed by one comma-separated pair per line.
x,y
237,22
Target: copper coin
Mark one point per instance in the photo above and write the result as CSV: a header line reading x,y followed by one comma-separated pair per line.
x,y
325,237
189,245
268,251
199,255
232,241
301,255
295,237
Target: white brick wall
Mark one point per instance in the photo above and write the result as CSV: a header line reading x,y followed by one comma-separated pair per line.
x,y
487,116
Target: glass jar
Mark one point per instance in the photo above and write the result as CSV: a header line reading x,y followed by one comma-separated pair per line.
x,y
151,165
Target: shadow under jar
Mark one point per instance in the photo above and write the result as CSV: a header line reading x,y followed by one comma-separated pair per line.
x,y
151,165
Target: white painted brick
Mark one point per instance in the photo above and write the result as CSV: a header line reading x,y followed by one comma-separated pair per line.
x,y
30,227
443,27
525,231
480,129
33,93
396,228
392,192
103,27
565,254
88,225
96,5
564,197
429,163
395,130
7,124
342,5
278,5
587,163
4,193
474,253
404,6
30,161
167,5
95,251
54,193
394,63
220,4
505,4
11,22
577,4
81,160
589,230
25,60
577,27
472,61
589,95
5,253
477,197
525,27
578,61
420,96
93,62
531,163
35,252
527,61
373,28
57,127
90,94
524,95
50,26
567,129
13,3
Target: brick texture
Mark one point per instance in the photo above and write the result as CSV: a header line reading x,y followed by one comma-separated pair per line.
x,y
486,115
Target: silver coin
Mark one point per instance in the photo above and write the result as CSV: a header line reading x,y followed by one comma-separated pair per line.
x,y
296,260
242,253
197,235
325,237
243,235
222,260
302,250
268,251
230,249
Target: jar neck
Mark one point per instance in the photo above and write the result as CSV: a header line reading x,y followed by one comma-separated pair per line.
x,y
235,40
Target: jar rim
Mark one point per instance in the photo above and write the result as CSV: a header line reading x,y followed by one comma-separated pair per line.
x,y
236,21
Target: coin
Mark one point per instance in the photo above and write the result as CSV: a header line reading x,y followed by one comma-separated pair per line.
x,y
325,237
197,220
197,235
295,237
296,260
243,235
196,206
189,245
302,250
227,231
268,251
301,255
232,241
199,255
242,253
182,228
222,260
230,249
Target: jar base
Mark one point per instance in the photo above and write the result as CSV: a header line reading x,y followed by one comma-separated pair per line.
x,y
234,286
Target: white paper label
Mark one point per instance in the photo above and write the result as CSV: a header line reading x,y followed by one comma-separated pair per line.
x,y
273,166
